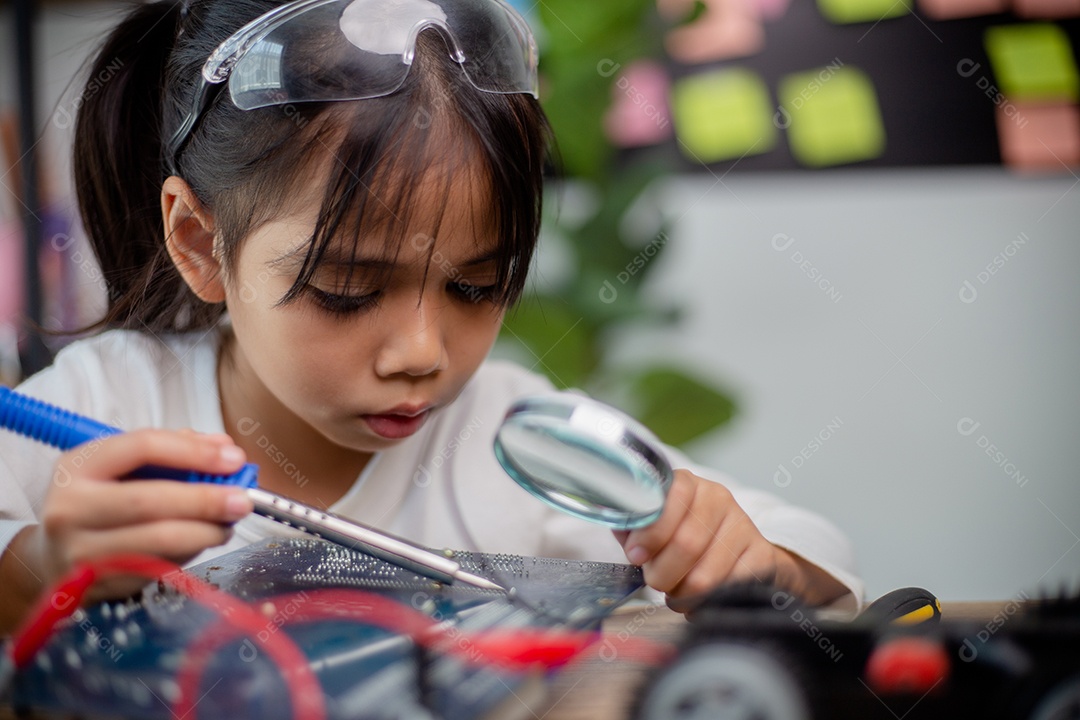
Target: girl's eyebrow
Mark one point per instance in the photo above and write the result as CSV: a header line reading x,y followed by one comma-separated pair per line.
x,y
294,259
490,256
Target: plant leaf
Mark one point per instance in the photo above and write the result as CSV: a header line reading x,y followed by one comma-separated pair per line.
x,y
676,406
557,339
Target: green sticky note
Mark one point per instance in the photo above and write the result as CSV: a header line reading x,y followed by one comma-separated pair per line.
x,y
854,11
832,116
1033,61
722,115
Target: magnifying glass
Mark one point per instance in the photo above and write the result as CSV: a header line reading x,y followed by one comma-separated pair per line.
x,y
585,458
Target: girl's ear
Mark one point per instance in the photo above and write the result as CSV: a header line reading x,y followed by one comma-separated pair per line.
x,y
189,237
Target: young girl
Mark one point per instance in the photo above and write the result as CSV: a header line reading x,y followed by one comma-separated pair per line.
x,y
311,219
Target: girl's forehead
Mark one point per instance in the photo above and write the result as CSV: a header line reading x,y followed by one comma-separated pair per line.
x,y
459,237
448,212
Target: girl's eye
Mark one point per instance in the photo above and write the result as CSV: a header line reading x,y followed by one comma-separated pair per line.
x,y
474,293
341,305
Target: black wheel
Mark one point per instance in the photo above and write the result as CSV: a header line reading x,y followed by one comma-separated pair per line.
x,y
724,681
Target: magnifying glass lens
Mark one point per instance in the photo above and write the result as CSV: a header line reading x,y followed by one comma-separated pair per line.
x,y
586,459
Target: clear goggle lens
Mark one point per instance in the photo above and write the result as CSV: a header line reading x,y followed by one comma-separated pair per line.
x,y
357,49
328,50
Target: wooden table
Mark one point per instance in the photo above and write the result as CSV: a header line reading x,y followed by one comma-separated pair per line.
x,y
603,685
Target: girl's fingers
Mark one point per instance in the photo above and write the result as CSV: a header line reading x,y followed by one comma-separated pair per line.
x,y
682,556
99,505
119,455
702,539
697,548
218,438
175,540
642,544
740,553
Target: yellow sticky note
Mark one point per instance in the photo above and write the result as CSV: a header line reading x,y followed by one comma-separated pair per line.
x,y
723,115
832,116
1033,62
854,11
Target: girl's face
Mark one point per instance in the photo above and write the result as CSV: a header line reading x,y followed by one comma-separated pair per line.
x,y
363,362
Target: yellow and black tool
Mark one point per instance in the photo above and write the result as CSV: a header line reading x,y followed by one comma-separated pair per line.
x,y
905,606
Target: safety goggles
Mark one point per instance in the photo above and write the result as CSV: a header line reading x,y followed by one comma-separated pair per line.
x,y
327,50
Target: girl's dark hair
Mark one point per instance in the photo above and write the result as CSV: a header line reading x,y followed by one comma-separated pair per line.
x,y
244,166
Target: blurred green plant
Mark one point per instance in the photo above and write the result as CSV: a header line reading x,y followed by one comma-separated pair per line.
x,y
568,328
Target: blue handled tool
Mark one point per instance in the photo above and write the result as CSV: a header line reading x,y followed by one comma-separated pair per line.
x,y
66,430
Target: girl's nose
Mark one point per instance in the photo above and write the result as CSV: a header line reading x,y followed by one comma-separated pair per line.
x,y
413,343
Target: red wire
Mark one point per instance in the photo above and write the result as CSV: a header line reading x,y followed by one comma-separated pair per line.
x,y
51,608
511,649
67,595
519,649
304,689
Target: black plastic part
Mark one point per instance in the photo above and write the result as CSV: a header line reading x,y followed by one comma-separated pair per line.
x,y
896,604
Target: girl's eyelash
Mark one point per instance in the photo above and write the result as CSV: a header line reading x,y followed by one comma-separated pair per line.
x,y
344,305
474,293
341,305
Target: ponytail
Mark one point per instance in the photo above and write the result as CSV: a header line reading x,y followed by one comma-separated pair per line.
x,y
119,171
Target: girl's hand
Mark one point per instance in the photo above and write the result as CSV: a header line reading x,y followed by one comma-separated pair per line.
x,y
89,514
703,539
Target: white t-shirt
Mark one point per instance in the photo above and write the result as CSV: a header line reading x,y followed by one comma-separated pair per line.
x,y
441,487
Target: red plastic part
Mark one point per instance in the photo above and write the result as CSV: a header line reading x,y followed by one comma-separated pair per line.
x,y
907,665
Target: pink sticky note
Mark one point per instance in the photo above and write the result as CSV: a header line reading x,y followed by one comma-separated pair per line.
x,y
1046,9
727,29
639,113
1042,138
770,9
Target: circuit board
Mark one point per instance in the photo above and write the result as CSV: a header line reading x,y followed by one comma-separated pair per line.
x,y
121,659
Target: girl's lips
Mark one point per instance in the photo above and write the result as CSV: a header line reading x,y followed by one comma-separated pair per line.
x,y
394,426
